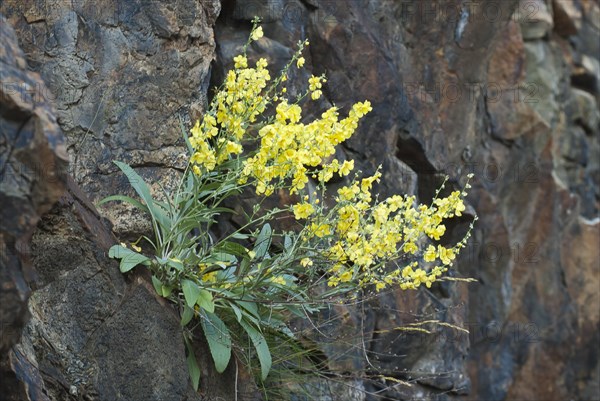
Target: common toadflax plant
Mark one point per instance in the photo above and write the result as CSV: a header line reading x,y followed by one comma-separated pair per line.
x,y
251,280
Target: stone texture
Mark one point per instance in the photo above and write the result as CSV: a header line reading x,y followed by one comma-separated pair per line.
x,y
567,17
536,18
513,99
32,173
93,333
121,75
520,127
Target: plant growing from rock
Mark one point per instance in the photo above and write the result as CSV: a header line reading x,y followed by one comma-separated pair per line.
x,y
253,278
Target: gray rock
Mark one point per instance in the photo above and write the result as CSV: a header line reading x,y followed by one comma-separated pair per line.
x,y
535,18
33,161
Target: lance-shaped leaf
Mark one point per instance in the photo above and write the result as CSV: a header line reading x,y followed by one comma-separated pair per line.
x,y
218,338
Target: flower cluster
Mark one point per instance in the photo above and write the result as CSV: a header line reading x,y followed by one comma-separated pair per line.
x,y
314,85
290,149
358,237
253,135
239,103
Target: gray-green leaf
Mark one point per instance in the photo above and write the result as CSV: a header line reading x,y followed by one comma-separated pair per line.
x,y
129,258
262,348
263,241
218,338
193,367
205,301
190,292
187,315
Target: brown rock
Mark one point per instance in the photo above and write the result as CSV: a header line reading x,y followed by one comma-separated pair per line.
x,y
507,64
567,17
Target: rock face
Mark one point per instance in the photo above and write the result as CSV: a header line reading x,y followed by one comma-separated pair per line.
x,y
507,90
32,173
94,335
121,75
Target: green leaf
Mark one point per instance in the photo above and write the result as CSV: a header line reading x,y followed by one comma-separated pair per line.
x,y
134,202
262,348
143,191
185,136
239,236
193,367
279,325
296,310
218,338
231,247
166,291
205,301
157,285
220,258
187,315
129,258
191,291
161,261
250,307
287,244
244,265
236,311
263,241
136,182
175,263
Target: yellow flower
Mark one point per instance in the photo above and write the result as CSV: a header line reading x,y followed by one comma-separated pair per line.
x,y
333,282
303,210
446,255
459,208
419,276
320,230
346,167
430,254
437,232
346,193
233,147
306,262
366,183
240,61
210,277
278,280
257,33
261,63
300,62
196,131
136,248
299,181
362,108
346,276
314,83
